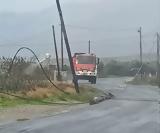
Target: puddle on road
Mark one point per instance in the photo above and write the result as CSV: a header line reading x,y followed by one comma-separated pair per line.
x,y
23,119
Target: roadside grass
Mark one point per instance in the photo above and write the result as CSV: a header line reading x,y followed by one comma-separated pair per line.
x,y
144,81
86,93
10,102
6,101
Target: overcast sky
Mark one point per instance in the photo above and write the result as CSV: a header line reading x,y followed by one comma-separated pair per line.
x,y
32,5
111,25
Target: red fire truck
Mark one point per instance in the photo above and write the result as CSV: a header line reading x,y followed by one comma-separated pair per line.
x,y
85,66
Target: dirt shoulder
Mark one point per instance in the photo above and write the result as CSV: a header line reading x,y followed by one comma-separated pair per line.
x,y
41,102
28,112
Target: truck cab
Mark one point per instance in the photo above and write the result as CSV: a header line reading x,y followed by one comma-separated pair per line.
x,y
85,66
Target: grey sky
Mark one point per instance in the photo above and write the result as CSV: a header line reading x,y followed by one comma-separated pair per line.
x,y
29,5
24,5
111,25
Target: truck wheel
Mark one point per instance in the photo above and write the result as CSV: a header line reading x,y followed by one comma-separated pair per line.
x,y
93,80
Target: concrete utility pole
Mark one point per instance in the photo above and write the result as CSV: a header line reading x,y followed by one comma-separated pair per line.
x,y
55,44
62,58
141,60
67,47
158,64
89,46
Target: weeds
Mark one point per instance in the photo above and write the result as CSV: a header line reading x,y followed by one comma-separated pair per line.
x,y
144,81
24,75
27,80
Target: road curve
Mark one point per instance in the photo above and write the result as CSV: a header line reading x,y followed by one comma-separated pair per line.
x,y
126,115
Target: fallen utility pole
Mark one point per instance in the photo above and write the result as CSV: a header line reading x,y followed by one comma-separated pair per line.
x,y
158,64
67,46
105,96
55,44
141,60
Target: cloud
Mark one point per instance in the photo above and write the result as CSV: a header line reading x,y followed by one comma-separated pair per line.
x,y
24,5
111,25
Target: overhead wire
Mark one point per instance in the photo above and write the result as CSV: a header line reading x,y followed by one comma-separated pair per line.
x,y
12,62
97,28
23,98
23,39
150,56
42,66
41,101
136,99
143,63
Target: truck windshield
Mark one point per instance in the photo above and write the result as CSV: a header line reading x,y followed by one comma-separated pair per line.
x,y
86,60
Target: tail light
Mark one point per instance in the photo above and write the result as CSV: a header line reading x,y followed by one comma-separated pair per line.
x,y
93,69
77,69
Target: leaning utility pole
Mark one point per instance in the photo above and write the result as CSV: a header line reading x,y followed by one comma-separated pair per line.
x,y
158,64
89,46
67,46
62,58
55,44
141,61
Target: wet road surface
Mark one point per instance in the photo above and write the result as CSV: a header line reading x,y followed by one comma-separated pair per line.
x,y
134,111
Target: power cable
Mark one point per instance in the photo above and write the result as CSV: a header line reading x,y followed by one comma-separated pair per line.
x,y
98,28
23,98
137,99
10,68
41,101
143,63
151,49
18,45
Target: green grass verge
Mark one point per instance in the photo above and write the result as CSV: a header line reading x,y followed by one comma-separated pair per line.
x,y
86,93
12,102
144,81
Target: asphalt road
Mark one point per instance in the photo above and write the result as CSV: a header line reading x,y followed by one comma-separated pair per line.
x,y
134,111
